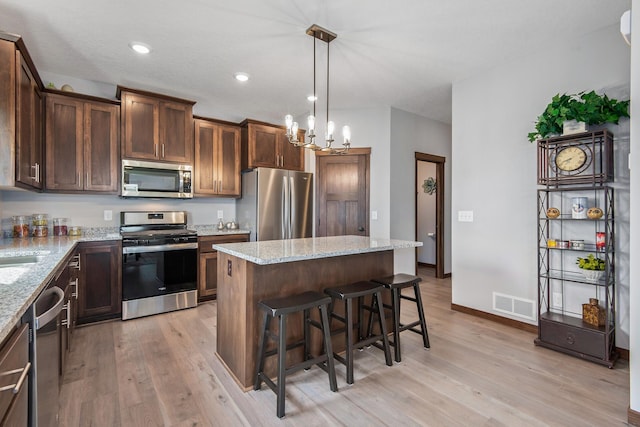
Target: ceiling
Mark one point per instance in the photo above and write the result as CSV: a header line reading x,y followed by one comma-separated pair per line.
x,y
403,54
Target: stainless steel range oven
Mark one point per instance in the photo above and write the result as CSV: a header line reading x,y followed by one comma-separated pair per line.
x,y
159,263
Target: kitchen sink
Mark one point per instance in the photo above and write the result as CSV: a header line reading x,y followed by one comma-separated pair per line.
x,y
16,261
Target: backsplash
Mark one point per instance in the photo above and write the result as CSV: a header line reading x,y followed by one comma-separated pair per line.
x,y
88,210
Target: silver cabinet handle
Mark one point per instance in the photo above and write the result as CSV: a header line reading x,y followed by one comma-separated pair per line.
x,y
15,388
79,183
35,172
86,178
163,150
155,150
67,322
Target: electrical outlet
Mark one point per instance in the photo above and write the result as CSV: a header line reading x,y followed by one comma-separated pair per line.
x,y
465,216
374,215
220,214
229,269
557,299
108,215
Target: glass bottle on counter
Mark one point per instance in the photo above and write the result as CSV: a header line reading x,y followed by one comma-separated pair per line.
x,y
40,223
60,227
20,226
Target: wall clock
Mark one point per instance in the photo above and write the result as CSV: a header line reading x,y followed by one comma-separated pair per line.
x,y
579,159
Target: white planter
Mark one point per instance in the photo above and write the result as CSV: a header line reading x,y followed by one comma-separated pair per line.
x,y
592,275
569,127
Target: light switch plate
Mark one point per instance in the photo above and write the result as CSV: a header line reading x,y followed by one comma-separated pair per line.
x,y
220,214
374,215
108,215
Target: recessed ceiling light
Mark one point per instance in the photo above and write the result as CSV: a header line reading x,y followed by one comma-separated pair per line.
x,y
241,77
140,47
312,98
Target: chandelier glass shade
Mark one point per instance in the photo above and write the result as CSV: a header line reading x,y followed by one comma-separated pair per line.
x,y
308,142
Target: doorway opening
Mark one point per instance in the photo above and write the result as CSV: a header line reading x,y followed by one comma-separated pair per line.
x,y
429,212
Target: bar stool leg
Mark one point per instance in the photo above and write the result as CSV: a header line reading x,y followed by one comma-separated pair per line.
x,y
307,333
383,327
395,296
282,357
348,309
328,348
261,351
423,323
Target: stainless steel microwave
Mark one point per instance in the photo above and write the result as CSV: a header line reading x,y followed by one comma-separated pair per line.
x,y
155,179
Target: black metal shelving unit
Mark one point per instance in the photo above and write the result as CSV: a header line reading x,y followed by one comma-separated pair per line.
x,y
562,288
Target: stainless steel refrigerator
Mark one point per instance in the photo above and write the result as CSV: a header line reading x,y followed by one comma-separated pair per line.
x,y
276,204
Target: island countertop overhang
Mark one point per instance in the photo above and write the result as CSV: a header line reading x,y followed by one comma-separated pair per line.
x,y
281,251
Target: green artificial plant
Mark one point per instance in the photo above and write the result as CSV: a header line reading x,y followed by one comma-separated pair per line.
x,y
588,107
591,263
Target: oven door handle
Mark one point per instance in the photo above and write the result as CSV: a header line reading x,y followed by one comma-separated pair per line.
x,y
159,248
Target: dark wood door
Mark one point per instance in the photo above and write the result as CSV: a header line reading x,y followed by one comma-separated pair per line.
x,y
14,356
204,170
262,146
176,143
228,164
208,280
140,117
99,288
343,193
101,124
28,127
292,157
64,143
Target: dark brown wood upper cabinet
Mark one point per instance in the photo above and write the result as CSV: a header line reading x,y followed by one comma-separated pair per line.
x,y
265,145
217,158
21,106
81,144
156,127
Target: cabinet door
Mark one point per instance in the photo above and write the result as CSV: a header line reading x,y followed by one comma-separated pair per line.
x,y
28,127
262,146
228,164
140,126
208,275
205,178
100,293
101,147
175,132
64,144
14,356
291,157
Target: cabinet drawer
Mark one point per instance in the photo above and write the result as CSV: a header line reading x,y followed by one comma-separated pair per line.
x,y
205,243
14,357
588,342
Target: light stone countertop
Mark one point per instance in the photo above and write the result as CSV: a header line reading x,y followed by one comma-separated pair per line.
x,y
21,284
281,251
212,230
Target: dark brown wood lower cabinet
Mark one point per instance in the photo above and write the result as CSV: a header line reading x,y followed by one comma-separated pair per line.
x,y
100,281
208,263
14,356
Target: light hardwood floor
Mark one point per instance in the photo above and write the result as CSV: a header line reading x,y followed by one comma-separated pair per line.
x,y
162,371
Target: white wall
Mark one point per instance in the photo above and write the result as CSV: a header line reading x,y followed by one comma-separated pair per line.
x,y
369,128
495,166
634,277
426,214
411,133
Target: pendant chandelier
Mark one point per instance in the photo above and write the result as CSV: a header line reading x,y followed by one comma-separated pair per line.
x,y
318,33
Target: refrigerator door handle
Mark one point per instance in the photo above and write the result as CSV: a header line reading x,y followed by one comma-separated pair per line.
x,y
292,204
284,217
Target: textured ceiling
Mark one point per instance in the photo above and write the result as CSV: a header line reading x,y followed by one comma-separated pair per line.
x,y
403,54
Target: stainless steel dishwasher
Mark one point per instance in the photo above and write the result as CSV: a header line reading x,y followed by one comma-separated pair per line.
x,y
44,320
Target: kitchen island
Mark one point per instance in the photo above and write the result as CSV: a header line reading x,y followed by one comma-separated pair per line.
x,y
254,271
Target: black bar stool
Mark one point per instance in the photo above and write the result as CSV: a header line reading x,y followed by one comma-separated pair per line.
x,y
395,284
280,308
346,294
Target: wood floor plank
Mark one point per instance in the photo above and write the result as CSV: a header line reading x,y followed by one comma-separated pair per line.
x,y
162,371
